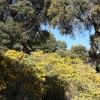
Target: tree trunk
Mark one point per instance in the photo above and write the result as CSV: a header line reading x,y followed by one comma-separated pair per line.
x,y
94,56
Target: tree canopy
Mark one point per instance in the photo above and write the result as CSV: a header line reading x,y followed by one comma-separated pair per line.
x,y
20,23
72,14
66,15
49,46
61,45
81,52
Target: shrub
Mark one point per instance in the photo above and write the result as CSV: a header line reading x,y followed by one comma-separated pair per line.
x,y
46,76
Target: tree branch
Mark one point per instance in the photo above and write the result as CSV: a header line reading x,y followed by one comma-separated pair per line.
x,y
80,19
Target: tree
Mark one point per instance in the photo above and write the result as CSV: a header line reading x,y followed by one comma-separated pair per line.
x,y
20,24
62,48
80,52
65,53
62,45
49,46
71,15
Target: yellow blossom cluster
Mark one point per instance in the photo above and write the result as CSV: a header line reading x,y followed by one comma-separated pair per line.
x,y
15,55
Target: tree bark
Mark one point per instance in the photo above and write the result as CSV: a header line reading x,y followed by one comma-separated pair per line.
x,y
94,56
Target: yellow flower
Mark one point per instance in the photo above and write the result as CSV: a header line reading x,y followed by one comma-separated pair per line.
x,y
42,79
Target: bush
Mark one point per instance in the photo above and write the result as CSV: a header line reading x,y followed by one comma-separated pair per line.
x,y
40,76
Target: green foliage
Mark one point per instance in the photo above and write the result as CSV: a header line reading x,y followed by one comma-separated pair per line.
x,y
20,24
10,35
68,15
80,52
49,46
22,21
62,45
46,76
64,53
61,48
77,51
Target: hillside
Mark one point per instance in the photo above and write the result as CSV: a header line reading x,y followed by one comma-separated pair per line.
x,y
46,76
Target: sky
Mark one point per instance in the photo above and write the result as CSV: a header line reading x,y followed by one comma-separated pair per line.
x,y
83,40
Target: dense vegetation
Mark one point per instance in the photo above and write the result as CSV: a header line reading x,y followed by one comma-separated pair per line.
x,y
34,65
40,76
21,20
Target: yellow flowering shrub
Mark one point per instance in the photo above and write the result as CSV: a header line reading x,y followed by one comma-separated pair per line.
x,y
15,55
48,76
